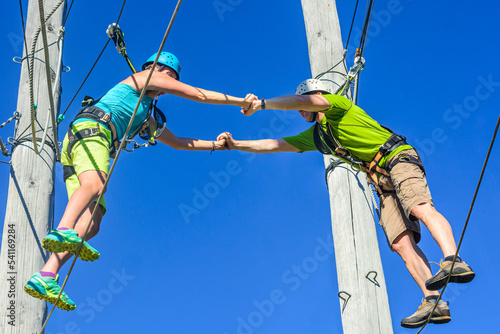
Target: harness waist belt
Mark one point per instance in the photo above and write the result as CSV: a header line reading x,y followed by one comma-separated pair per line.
x,y
100,116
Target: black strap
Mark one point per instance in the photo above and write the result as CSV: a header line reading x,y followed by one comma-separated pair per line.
x,y
67,172
100,116
322,142
392,143
85,133
327,143
406,158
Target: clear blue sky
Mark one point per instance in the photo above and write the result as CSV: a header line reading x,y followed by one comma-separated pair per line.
x,y
203,273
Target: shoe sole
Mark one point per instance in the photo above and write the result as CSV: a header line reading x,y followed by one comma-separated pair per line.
x,y
61,304
434,320
55,246
457,278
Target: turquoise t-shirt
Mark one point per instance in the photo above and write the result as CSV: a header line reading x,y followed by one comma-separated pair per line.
x,y
354,129
120,103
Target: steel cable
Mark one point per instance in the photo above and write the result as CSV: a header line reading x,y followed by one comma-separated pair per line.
x,y
465,225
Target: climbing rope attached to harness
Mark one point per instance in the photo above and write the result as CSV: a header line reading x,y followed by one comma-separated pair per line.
x,y
465,225
62,115
359,64
116,34
143,92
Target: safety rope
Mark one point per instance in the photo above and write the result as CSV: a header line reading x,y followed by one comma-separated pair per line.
x,y
366,27
24,34
122,144
465,225
67,13
30,69
47,72
352,24
61,116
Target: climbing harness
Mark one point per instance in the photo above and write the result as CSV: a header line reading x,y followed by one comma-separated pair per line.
x,y
98,115
327,143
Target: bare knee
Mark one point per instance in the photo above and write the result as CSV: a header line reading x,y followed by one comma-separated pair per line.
x,y
403,243
422,211
92,182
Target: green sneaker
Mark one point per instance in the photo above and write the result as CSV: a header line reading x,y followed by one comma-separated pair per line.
x,y
47,288
58,241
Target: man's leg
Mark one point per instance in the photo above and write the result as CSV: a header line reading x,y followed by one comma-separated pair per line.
x,y
438,226
415,260
419,268
415,198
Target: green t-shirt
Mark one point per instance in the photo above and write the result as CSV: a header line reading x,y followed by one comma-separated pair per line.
x,y
353,128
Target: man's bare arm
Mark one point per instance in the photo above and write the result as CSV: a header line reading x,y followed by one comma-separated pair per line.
x,y
257,146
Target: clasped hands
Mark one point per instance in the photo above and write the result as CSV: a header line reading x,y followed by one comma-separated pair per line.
x,y
250,105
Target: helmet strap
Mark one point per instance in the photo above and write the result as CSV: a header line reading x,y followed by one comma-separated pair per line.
x,y
315,115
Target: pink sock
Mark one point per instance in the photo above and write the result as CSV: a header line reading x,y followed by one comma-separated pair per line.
x,y
47,274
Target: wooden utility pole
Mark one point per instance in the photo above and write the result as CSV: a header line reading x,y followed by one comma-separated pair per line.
x,y
362,291
30,204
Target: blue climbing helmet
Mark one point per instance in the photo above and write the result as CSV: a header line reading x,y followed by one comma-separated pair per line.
x,y
165,59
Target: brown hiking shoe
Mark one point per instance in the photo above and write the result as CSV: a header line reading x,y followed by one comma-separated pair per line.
x,y
441,315
462,273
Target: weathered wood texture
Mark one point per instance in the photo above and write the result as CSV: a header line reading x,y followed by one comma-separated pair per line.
x,y
30,203
366,309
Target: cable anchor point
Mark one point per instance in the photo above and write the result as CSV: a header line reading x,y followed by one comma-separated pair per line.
x,y
344,299
374,278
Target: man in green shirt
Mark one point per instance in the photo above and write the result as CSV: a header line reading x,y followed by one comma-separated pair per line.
x,y
392,166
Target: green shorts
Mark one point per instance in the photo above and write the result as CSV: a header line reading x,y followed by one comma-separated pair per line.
x,y
91,153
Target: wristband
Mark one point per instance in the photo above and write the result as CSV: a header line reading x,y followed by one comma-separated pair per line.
x,y
262,104
213,147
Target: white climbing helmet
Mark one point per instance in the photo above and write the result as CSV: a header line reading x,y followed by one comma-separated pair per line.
x,y
314,85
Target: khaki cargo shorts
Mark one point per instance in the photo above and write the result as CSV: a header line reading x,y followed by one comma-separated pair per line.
x,y
407,188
